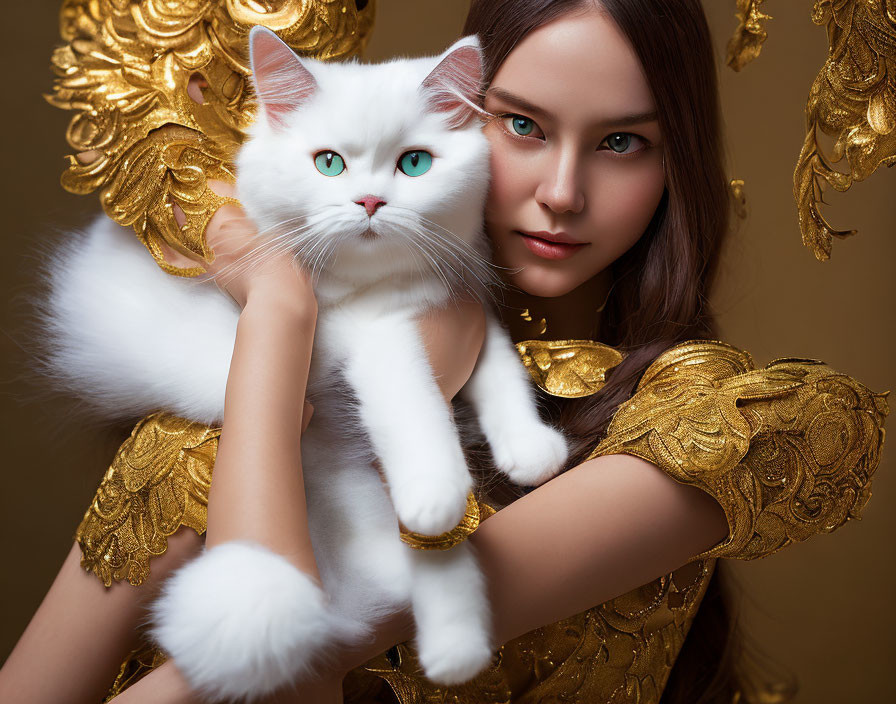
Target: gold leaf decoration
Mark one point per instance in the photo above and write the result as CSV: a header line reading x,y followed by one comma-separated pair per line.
x,y
746,43
852,100
568,368
738,197
124,71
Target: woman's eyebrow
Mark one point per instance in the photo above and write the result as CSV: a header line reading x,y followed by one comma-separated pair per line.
x,y
634,119
529,107
522,103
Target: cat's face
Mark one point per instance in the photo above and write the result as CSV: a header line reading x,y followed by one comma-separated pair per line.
x,y
366,169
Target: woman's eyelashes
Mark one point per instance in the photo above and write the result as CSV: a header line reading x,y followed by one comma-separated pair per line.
x,y
521,126
624,143
617,143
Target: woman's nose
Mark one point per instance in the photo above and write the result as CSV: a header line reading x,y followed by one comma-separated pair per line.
x,y
561,189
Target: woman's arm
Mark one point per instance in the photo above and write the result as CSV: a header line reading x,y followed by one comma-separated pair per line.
x,y
587,536
75,643
593,533
257,493
273,350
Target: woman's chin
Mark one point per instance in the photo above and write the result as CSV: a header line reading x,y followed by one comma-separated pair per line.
x,y
543,284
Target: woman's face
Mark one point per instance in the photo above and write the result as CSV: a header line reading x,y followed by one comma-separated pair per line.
x,y
576,154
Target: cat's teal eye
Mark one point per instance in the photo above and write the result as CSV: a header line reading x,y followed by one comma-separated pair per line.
x,y
415,163
329,163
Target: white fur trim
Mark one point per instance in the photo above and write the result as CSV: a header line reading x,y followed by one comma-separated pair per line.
x,y
240,621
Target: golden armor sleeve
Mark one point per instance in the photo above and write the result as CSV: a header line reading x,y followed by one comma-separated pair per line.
x,y
158,482
788,451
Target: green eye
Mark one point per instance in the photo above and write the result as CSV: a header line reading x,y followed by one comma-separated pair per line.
x,y
523,126
329,163
415,163
619,142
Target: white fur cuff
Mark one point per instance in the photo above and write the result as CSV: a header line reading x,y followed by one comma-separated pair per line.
x,y
240,621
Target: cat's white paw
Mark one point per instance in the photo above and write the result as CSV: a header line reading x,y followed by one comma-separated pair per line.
x,y
529,454
432,505
453,655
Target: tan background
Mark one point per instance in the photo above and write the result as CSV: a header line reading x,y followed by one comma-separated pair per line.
x,y
824,607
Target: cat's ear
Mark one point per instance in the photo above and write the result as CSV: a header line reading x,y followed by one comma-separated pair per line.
x,y
281,82
454,84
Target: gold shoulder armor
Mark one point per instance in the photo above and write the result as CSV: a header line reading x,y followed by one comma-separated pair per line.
x,y
788,451
124,71
158,482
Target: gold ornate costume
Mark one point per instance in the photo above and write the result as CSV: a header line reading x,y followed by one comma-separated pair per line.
x,y
788,451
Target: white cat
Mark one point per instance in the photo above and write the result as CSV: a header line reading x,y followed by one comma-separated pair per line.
x,y
376,176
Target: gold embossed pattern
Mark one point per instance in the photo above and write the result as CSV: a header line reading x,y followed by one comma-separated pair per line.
x,y
788,451
158,482
124,71
620,651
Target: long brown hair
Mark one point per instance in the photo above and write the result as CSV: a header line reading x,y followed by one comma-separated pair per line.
x,y
661,285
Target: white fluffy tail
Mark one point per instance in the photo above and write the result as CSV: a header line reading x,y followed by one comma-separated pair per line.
x,y
241,621
130,339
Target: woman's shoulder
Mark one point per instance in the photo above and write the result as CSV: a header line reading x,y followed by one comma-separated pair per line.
x,y
157,482
787,450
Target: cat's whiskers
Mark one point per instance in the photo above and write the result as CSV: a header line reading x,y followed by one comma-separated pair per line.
x,y
439,261
315,256
456,244
269,246
265,250
444,249
480,267
434,261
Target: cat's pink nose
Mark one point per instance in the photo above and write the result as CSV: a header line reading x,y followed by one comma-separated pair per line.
x,y
370,203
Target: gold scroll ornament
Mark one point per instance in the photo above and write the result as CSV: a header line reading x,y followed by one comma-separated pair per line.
x,y
852,100
124,71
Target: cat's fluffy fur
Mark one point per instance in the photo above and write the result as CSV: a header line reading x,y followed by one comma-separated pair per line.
x,y
240,621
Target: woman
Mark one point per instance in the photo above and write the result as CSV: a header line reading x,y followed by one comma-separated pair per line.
x,y
642,216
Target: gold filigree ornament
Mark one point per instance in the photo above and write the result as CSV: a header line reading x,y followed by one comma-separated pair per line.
x,y
125,69
746,43
853,100
568,368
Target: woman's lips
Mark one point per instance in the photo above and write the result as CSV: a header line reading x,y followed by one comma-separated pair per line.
x,y
537,243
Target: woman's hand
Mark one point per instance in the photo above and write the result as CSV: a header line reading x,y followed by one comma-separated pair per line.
x,y
244,267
